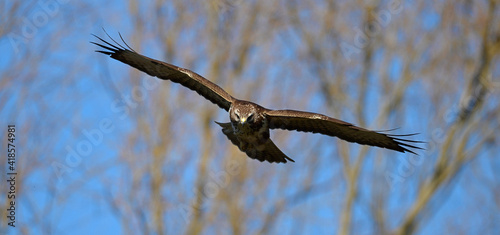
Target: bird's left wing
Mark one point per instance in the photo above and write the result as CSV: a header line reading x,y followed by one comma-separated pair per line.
x,y
317,123
167,71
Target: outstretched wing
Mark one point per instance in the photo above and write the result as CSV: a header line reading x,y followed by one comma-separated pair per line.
x,y
316,123
270,153
166,71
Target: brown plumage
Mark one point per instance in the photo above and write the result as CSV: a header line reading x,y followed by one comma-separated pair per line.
x,y
250,122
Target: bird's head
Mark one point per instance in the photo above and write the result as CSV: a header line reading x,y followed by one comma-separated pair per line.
x,y
243,115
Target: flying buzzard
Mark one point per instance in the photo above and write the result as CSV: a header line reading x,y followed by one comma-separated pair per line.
x,y
250,122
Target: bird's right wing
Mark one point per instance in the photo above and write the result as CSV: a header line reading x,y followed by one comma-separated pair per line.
x,y
167,71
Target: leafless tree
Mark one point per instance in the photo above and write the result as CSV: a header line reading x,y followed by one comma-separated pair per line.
x,y
102,144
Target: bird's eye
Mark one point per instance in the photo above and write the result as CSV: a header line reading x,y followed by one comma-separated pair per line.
x,y
237,116
250,118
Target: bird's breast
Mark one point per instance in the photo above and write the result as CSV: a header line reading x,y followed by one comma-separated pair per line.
x,y
255,136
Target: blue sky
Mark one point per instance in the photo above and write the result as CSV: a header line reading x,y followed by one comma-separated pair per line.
x,y
79,124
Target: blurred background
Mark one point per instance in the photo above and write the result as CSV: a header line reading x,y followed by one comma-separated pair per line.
x,y
103,148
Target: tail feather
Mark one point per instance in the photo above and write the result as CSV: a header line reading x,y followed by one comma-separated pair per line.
x,y
270,153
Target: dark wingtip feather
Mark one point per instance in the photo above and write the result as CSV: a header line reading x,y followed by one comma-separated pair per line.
x,y
404,135
104,52
121,47
402,145
110,50
409,151
108,46
388,130
410,141
125,42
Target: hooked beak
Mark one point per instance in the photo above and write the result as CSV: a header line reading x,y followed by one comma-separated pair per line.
x,y
243,120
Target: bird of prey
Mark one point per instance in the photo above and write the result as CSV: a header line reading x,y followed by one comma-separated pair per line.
x,y
249,122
